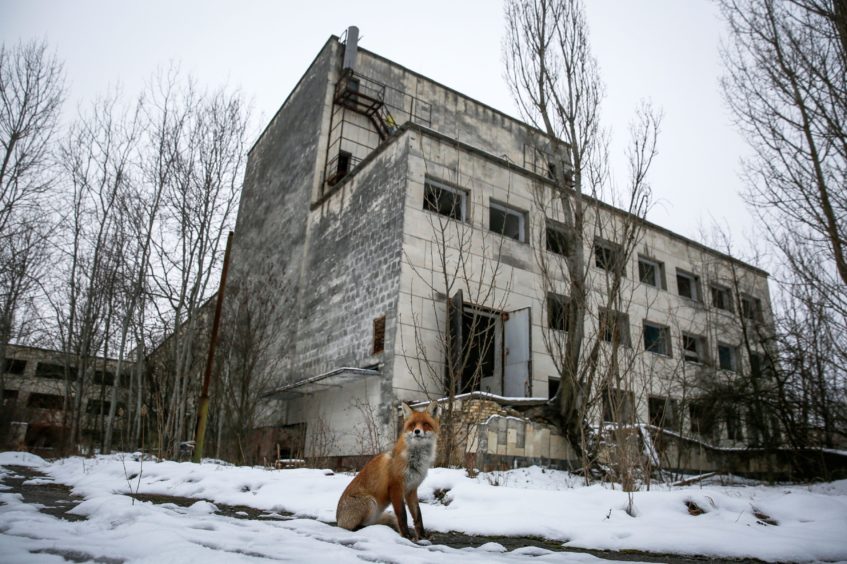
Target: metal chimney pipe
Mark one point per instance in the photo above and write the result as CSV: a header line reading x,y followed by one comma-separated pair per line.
x,y
350,48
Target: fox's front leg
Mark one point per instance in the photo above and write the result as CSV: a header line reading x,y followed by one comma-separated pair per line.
x,y
415,508
396,493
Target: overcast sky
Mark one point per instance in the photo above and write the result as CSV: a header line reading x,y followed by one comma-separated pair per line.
x,y
662,50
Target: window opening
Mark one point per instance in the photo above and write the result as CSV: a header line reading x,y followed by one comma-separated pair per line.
x,y
614,324
721,298
727,357
557,239
657,339
607,256
557,312
507,221
651,272
379,335
15,366
445,200
662,411
687,285
552,387
693,348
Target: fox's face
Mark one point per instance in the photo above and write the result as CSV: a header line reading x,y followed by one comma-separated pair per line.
x,y
420,425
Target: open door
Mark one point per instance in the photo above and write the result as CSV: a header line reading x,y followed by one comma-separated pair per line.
x,y
517,357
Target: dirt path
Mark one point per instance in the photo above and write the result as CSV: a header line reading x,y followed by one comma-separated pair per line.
x,y
57,500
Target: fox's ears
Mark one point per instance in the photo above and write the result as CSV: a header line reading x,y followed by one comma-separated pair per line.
x,y
432,409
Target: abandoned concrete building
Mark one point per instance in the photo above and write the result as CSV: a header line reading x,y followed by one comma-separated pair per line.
x,y
376,196
33,396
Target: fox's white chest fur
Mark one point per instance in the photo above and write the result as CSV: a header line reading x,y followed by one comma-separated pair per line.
x,y
420,455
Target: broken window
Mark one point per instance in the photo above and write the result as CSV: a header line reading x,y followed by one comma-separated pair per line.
x,y
557,238
751,308
614,327
44,401
727,357
557,312
445,200
657,338
688,285
651,272
379,335
608,255
507,221
693,348
10,397
54,371
15,366
662,411
702,419
721,298
733,423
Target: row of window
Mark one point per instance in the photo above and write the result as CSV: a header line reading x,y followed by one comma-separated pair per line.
x,y
54,402
57,372
703,418
614,327
452,202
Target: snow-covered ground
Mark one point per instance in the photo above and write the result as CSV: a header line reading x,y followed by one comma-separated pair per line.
x,y
811,521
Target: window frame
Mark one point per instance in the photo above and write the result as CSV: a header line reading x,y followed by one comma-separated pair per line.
x,y
719,289
700,344
659,278
506,210
694,284
561,231
621,319
664,330
564,303
431,183
616,256
754,311
733,350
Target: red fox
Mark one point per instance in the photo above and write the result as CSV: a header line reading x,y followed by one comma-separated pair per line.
x,y
393,476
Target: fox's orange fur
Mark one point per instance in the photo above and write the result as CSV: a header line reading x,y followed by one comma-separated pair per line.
x,y
393,477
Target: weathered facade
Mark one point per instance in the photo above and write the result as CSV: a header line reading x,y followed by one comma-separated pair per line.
x,y
375,196
33,397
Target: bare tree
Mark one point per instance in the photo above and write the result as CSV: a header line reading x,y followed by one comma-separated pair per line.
x,y
197,205
31,93
97,158
556,84
786,83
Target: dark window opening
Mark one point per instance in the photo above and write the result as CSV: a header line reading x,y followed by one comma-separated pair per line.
x,y
651,272
657,339
727,357
15,366
607,255
44,401
662,412
508,222
733,424
97,407
557,312
693,348
721,298
551,170
10,397
687,285
557,239
614,327
445,200
702,419
343,164
751,308
54,371
552,387
104,378
379,335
